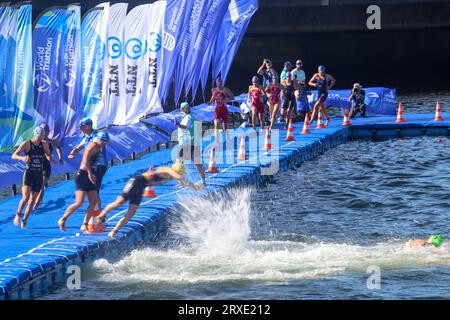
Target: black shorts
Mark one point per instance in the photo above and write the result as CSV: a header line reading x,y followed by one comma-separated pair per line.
x,y
289,104
33,179
47,169
99,173
133,191
83,183
190,152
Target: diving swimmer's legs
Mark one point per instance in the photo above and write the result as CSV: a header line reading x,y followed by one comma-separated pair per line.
x,y
113,205
122,222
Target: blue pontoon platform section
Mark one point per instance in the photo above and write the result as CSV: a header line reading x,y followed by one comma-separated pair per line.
x,y
35,259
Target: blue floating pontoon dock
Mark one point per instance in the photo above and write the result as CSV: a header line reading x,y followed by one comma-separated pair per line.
x,y
35,259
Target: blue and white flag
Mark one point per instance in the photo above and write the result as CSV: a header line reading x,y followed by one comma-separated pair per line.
x,y
234,25
72,71
136,69
155,57
49,35
176,19
113,75
17,113
197,16
93,30
204,40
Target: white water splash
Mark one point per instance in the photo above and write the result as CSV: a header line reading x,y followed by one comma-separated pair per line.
x,y
217,248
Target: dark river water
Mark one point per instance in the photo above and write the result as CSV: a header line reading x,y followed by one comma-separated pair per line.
x,y
323,231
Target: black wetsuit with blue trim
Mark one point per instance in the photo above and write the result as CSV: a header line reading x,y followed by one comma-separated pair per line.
x,y
135,187
322,88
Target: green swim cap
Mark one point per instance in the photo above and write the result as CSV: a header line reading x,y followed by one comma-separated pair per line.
x,y
436,240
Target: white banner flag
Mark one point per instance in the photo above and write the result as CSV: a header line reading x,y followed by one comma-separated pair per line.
x,y
113,76
154,57
136,48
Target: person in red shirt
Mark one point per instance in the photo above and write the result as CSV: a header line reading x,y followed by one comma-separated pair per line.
x,y
256,95
273,93
220,95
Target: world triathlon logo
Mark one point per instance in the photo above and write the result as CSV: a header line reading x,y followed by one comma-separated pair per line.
x,y
372,99
42,84
133,48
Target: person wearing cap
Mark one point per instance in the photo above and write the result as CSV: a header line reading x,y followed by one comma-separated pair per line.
x,y
298,76
255,97
35,151
186,140
90,174
245,115
357,98
134,189
287,68
434,240
220,95
322,82
47,167
273,93
267,72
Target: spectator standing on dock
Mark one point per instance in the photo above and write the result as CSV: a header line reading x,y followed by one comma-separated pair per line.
x,y
47,167
255,98
273,93
90,175
287,68
186,140
357,99
267,72
133,190
35,151
323,82
220,95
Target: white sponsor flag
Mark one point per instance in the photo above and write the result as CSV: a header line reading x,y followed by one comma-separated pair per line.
x,y
113,79
135,49
154,56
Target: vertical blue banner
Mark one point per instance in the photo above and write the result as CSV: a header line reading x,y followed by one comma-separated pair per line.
x,y
17,113
197,16
231,33
206,37
93,31
176,19
49,36
72,71
4,26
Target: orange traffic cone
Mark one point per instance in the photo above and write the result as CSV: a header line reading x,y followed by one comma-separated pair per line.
x,y
267,141
93,226
212,162
290,132
346,119
149,192
438,116
320,125
241,154
400,113
306,125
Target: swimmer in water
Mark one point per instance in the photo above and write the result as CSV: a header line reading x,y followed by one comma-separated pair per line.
x,y
434,240
134,189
